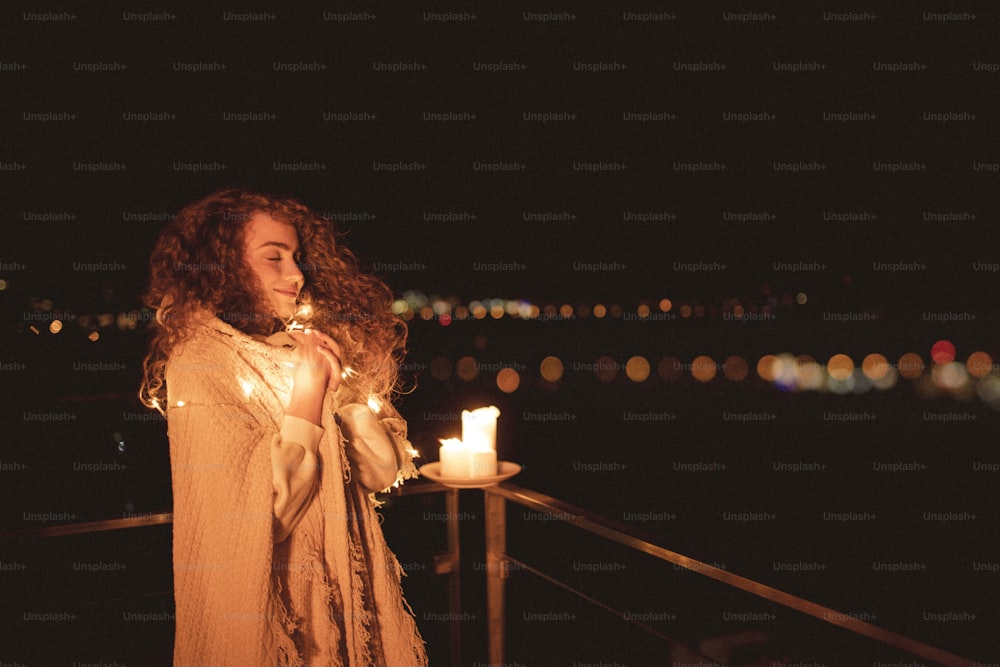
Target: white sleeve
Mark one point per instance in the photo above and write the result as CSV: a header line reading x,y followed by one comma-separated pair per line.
x,y
293,462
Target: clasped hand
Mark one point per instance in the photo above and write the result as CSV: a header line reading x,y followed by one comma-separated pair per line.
x,y
317,358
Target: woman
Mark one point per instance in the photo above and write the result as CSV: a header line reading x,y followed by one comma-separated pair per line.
x,y
274,363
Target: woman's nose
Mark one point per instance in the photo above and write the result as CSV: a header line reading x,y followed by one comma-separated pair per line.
x,y
292,272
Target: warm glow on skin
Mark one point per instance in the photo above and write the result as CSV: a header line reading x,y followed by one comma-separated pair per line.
x,y
272,252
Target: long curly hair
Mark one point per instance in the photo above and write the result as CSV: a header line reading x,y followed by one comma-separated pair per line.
x,y
197,266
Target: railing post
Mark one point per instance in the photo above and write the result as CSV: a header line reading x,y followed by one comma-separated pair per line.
x,y
454,577
450,563
496,572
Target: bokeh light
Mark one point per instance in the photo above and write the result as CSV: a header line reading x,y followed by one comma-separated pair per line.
x,y
840,367
765,367
839,385
440,369
988,389
637,369
508,380
703,368
551,369
600,311
943,352
911,366
979,364
735,368
952,376
875,366
786,372
888,381
467,369
809,374
55,326
862,383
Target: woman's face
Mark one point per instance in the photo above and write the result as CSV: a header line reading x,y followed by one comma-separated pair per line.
x,y
271,250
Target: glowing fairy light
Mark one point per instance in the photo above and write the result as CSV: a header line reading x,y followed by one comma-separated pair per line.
x,y
180,404
347,373
304,312
247,387
374,404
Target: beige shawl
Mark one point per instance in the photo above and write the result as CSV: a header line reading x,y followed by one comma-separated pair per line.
x,y
330,593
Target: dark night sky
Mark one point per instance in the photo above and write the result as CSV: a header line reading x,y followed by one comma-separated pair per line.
x,y
935,120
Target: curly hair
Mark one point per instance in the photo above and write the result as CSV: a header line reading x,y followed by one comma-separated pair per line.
x,y
197,265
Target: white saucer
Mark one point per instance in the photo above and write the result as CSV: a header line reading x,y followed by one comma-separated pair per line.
x,y
432,471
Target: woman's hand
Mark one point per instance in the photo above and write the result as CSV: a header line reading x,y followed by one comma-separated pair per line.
x,y
317,359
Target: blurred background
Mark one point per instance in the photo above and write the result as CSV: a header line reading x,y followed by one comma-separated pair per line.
x,y
731,277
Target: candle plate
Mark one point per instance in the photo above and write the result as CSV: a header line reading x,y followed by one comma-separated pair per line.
x,y
432,471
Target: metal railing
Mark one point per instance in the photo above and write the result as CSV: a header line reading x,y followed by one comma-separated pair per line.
x,y
497,571
498,563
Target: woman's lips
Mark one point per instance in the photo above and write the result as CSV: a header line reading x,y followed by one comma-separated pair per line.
x,y
290,294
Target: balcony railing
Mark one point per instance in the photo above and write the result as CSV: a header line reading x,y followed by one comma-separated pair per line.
x,y
499,564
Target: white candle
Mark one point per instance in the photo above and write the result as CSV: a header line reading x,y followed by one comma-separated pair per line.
x,y
479,427
456,459
461,460
483,462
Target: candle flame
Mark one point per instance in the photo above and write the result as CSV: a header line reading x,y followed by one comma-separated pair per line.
x,y
451,442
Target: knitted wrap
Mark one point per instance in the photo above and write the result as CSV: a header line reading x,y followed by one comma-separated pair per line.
x,y
330,593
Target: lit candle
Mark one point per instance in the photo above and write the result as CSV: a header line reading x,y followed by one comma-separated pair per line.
x,y
479,427
456,459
